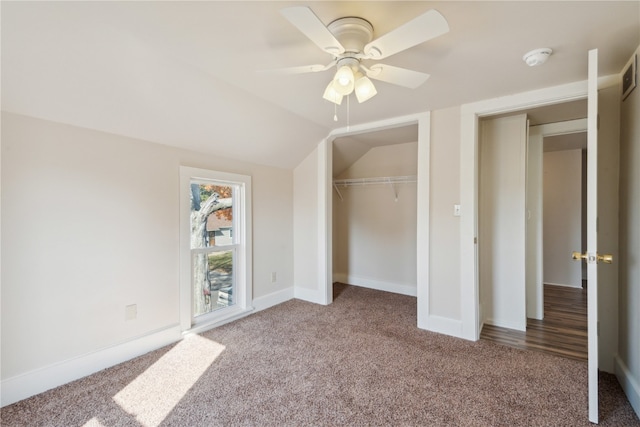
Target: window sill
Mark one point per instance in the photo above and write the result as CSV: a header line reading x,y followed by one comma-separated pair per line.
x,y
218,319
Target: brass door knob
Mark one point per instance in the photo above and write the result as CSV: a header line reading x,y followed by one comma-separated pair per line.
x,y
606,258
579,255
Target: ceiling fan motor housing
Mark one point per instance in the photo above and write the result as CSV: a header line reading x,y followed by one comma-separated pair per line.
x,y
353,33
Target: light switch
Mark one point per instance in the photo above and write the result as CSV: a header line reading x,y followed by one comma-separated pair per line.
x,y
130,312
456,210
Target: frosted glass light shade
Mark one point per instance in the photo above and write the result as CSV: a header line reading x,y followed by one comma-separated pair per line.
x,y
364,89
343,80
330,94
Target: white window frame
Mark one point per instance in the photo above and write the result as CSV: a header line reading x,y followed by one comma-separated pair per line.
x,y
243,263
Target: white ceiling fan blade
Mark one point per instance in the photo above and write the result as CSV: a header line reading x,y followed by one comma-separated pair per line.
x,y
396,75
311,26
425,27
300,69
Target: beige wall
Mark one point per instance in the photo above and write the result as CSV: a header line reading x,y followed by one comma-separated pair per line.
x,y
629,258
444,228
90,225
374,243
305,222
501,221
562,212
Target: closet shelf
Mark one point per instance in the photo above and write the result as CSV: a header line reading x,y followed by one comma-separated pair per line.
x,y
376,180
391,180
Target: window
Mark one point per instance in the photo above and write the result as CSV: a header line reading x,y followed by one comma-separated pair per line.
x,y
215,236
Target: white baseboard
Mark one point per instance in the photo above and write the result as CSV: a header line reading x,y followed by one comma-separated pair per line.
x,y
40,380
310,295
379,285
564,285
629,384
272,299
444,325
518,326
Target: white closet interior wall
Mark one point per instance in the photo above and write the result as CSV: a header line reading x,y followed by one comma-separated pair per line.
x,y
374,242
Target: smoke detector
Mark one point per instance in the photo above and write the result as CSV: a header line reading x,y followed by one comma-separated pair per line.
x,y
537,56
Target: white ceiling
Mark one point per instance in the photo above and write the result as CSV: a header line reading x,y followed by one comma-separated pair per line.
x,y
185,73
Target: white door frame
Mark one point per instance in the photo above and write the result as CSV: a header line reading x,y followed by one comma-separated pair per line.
x,y
470,115
537,134
325,208
592,235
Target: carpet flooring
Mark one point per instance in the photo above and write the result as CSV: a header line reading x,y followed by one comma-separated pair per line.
x,y
360,361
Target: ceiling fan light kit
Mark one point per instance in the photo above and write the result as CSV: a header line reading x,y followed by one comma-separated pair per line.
x,y
344,80
537,56
330,94
349,41
364,89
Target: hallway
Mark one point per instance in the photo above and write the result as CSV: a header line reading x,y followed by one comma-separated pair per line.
x,y
563,331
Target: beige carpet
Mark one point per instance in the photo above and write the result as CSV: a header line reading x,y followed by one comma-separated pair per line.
x,y
360,361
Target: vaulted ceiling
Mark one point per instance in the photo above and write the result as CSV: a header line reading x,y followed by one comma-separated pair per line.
x,y
186,73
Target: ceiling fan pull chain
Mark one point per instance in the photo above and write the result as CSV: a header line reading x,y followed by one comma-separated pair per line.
x,y
348,111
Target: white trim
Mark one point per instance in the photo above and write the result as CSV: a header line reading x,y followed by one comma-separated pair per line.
x,y
562,285
222,317
325,222
537,133
444,325
562,128
592,234
316,296
365,282
375,126
273,299
42,379
325,210
423,192
469,183
244,263
516,326
629,384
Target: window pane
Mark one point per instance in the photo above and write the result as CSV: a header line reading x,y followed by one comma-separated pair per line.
x,y
213,281
211,215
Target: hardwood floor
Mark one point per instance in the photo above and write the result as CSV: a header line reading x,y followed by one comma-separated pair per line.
x,y
563,331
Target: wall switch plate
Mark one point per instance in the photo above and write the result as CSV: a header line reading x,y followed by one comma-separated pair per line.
x,y
273,277
456,210
131,312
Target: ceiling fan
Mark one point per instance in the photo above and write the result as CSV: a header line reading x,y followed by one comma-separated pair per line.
x,y
350,41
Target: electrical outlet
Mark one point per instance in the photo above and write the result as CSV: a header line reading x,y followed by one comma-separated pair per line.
x,y
131,312
273,277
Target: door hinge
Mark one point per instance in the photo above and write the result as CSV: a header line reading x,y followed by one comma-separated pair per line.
x,y
475,240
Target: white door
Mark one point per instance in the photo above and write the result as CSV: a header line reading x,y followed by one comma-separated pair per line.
x,y
592,233
606,241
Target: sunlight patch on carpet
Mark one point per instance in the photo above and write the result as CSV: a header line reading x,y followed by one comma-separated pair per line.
x,y
155,392
93,422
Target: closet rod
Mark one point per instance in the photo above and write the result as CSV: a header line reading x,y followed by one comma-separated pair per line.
x,y
376,180
392,180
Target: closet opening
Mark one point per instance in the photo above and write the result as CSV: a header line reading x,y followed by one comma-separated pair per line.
x,y
374,209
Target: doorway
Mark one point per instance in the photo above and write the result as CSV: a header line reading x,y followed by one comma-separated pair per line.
x,y
555,302
325,206
374,209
